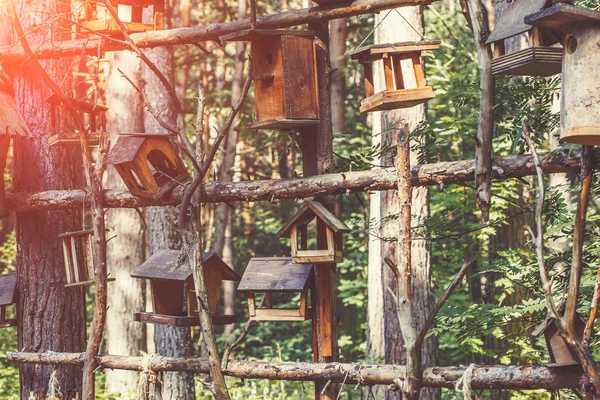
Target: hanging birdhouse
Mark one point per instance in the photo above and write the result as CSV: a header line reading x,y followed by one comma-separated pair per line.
x,y
92,115
284,74
405,85
136,16
275,277
539,58
297,229
580,105
560,353
148,164
173,296
8,297
78,253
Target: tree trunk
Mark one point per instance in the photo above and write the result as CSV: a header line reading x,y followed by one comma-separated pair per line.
x,y
126,253
50,317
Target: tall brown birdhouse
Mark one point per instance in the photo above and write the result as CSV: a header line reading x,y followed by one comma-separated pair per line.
x,y
538,58
297,229
285,78
405,84
560,353
173,296
8,297
92,115
78,254
277,276
12,124
148,164
136,15
580,104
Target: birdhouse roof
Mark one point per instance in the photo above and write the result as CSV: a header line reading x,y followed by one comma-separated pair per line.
x,y
252,35
560,15
80,105
307,212
164,265
549,321
11,120
8,286
275,274
394,48
512,20
128,145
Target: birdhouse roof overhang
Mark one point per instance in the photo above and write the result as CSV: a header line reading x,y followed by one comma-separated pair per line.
x,y
253,35
8,286
559,16
12,122
512,20
81,105
307,212
165,265
128,145
377,51
275,274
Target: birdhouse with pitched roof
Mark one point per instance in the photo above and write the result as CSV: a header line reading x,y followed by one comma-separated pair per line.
x,y
136,16
275,277
297,229
173,295
540,57
405,84
92,115
8,297
560,353
148,164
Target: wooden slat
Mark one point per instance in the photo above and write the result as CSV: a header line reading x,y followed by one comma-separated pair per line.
x,y
390,100
68,265
388,72
275,275
369,87
184,321
418,68
74,258
398,75
251,304
282,123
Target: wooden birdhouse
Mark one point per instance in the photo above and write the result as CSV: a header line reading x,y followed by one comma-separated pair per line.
x,y
78,254
580,105
12,125
277,276
297,230
560,353
538,58
8,297
148,164
173,296
136,15
285,77
92,116
405,84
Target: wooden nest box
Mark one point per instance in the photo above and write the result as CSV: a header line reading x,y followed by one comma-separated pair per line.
x,y
560,353
580,104
277,275
539,58
136,16
78,253
173,295
148,164
297,230
285,77
404,75
8,297
92,115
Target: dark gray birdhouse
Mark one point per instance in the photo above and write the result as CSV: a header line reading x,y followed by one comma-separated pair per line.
x,y
8,297
560,353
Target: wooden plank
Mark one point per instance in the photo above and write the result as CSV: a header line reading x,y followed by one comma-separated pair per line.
x,y
418,68
294,241
398,74
559,16
280,314
75,259
275,275
396,99
388,73
376,51
85,283
251,304
369,87
67,260
282,123
253,35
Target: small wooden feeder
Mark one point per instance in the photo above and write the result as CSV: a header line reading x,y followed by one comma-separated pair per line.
x,y
296,229
93,115
285,78
136,15
78,253
148,164
8,292
539,58
560,353
405,84
277,275
580,104
173,296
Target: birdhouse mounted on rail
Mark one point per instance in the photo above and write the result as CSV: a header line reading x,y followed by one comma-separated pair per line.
x,y
297,230
173,296
8,297
148,164
405,84
580,104
560,353
285,77
539,58
136,15
78,253
272,276
92,115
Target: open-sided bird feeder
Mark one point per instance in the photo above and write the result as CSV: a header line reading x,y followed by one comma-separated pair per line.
x,y
560,353
8,297
405,84
92,116
272,276
540,57
136,15
297,230
78,254
285,77
173,296
148,164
